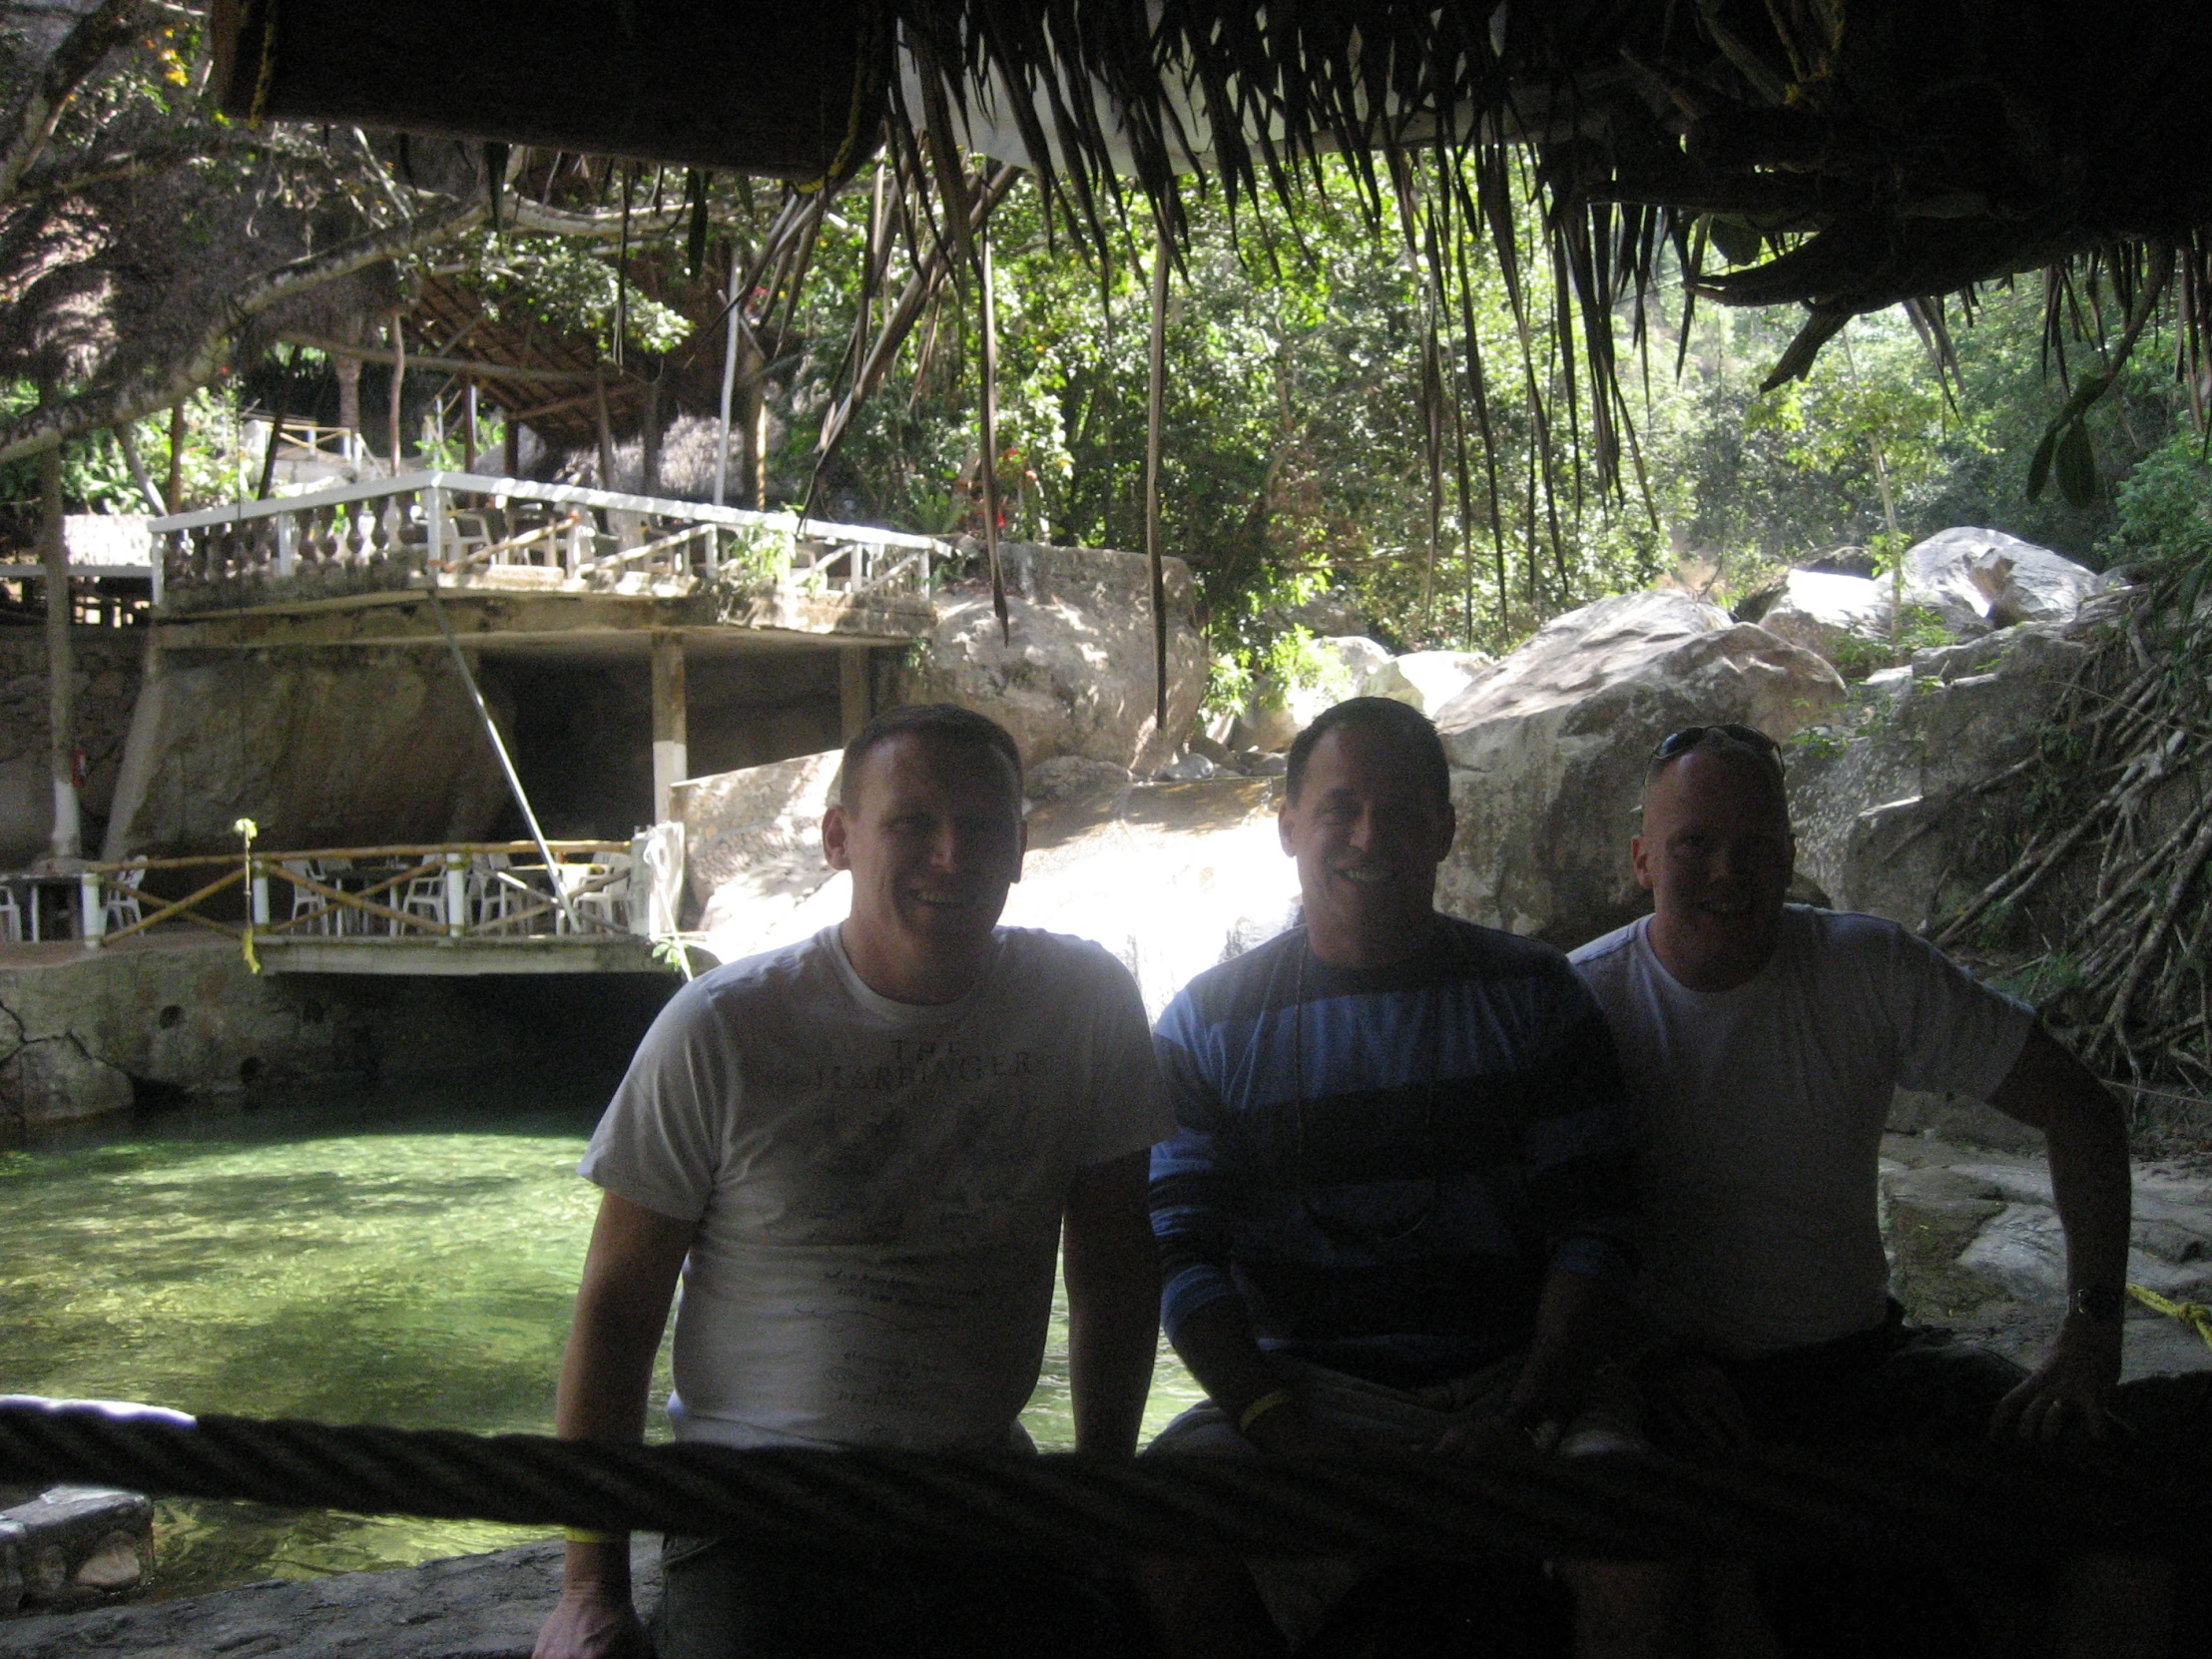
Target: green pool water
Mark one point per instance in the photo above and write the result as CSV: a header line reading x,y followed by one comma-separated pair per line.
x,y
403,1256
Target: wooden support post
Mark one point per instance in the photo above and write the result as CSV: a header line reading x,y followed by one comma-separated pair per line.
x,y
510,447
670,760
61,664
856,696
468,426
398,385
176,457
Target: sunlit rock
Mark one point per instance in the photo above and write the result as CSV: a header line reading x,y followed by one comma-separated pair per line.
x,y
1276,715
1890,805
1426,679
1075,674
1822,612
1975,579
1549,749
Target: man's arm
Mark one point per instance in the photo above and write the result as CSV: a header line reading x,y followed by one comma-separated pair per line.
x,y
2050,1090
1113,1279
622,1306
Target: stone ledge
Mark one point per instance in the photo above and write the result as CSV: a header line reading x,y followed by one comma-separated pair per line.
x,y
470,1607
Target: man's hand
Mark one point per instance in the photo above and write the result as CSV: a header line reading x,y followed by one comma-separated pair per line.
x,y
592,1622
1292,1430
2074,1384
1694,1399
1501,1435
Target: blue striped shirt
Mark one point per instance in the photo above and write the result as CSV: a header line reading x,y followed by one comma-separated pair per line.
x,y
1386,1164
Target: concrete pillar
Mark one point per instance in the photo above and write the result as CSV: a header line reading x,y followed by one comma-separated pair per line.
x,y
856,696
671,761
61,663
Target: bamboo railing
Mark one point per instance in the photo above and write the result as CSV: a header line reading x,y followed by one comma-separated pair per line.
x,y
411,892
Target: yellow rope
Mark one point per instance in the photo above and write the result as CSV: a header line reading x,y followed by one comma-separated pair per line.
x,y
248,829
2195,1315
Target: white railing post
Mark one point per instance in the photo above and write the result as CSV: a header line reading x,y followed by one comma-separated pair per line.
x,y
456,894
286,530
260,894
91,906
434,514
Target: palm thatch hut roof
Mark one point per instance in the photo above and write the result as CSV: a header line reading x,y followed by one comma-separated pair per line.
x,y
1841,155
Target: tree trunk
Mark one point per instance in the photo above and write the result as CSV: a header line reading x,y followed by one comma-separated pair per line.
x,y
60,666
176,457
649,440
399,388
350,396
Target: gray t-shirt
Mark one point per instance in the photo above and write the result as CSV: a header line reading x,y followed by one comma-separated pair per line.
x,y
878,1186
1763,1109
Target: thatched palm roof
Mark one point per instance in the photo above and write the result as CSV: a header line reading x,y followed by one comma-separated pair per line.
x,y
1843,155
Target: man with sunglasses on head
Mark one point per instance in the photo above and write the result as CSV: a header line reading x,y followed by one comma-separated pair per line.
x,y
1764,1041
1401,1182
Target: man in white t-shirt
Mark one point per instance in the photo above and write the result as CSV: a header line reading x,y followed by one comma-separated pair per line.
x,y
1763,1042
859,1152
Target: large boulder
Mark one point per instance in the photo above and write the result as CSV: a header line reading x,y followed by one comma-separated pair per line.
x,y
1975,579
1892,801
1829,615
753,837
1277,714
1549,749
1427,680
340,749
1074,675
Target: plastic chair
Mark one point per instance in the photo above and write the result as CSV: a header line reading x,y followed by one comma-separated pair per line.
x,y
424,897
122,899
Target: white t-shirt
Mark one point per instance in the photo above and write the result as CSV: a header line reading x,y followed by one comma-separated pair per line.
x,y
1763,1109
879,1186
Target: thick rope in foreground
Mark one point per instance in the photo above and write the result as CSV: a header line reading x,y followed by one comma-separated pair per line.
x,y
2019,1502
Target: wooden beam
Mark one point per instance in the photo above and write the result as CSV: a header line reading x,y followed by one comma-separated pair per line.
x,y
448,366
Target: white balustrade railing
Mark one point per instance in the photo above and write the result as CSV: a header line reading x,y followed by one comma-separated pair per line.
x,y
472,531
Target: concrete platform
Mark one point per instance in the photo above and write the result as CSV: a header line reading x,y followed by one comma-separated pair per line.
x,y
571,953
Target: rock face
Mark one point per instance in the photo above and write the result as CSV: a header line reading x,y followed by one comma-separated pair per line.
x,y
333,748
106,683
1276,715
1976,579
1883,800
72,1547
1821,612
1549,749
109,1029
1076,676
473,1608
1426,679
753,837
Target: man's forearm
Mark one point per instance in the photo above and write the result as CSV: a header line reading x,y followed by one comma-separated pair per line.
x,y
1113,1280
1216,1342
1572,1324
2091,1190
1113,1334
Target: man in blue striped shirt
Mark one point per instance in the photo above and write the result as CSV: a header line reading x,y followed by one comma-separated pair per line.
x,y
1398,1196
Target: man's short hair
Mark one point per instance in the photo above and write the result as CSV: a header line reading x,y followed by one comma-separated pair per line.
x,y
945,723
1741,746
1401,722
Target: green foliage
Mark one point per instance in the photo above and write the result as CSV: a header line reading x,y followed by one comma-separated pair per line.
x,y
97,480
2164,516
573,286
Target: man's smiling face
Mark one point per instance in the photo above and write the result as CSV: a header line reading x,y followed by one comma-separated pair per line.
x,y
1716,855
1369,829
931,831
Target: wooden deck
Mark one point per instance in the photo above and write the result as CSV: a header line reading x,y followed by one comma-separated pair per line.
x,y
458,908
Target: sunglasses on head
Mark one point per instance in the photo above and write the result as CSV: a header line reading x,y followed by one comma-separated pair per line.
x,y
1676,743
